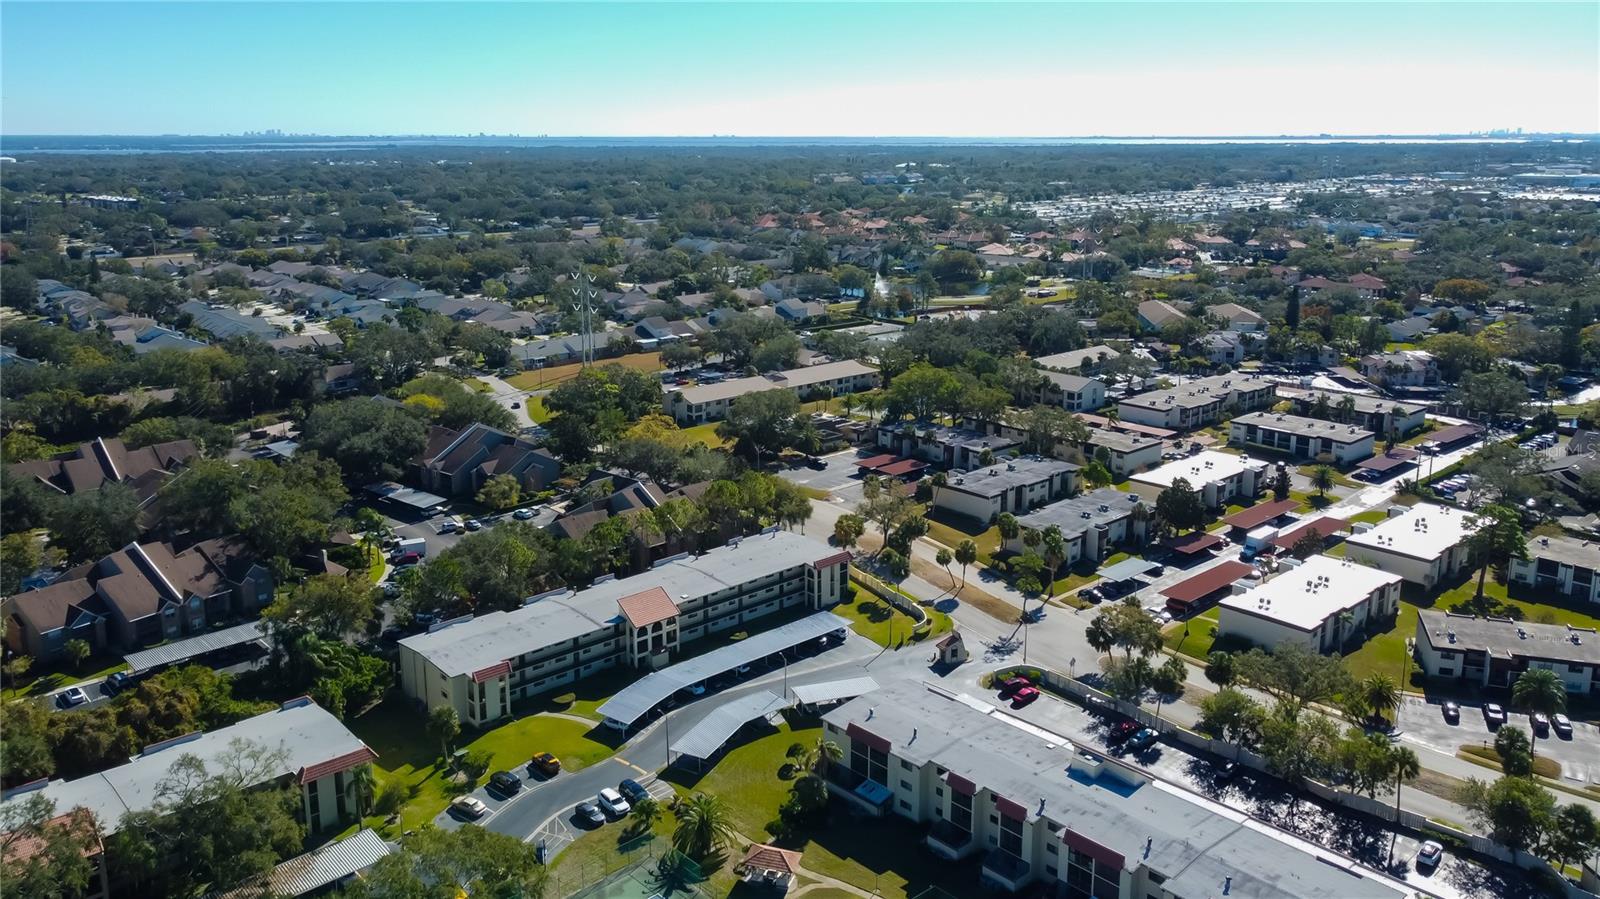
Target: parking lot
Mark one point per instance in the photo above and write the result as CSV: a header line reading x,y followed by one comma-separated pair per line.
x,y
1422,721
1267,799
839,475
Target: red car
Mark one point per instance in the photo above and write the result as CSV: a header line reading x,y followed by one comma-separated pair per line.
x,y
1122,730
1011,685
410,558
1025,696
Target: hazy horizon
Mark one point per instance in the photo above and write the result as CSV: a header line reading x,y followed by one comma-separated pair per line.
x,y
794,70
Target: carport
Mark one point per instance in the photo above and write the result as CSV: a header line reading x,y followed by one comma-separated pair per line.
x,y
706,738
183,650
1184,596
419,502
834,690
1127,568
1328,526
1257,515
1193,544
1387,463
638,698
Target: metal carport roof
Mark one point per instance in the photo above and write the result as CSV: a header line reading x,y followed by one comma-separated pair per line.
x,y
849,688
1126,568
633,701
184,650
704,739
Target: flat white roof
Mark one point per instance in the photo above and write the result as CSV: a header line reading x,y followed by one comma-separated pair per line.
x,y
1425,532
793,379
1307,427
1200,469
1306,596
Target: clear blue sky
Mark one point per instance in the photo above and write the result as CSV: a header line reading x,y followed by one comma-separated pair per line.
x,y
797,68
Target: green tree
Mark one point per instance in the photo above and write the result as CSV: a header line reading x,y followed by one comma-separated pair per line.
x,y
441,864
1220,668
1180,506
19,557
329,605
1322,479
370,439
500,493
705,824
444,725
26,752
943,558
1516,753
762,423
57,864
644,814
92,524
77,652
1497,540
1515,810
1293,675
1232,715
966,554
1539,690
847,530
1378,693
1574,834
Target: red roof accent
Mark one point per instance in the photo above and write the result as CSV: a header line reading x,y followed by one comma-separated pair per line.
x,y
857,732
1392,459
902,468
961,784
1454,433
770,858
1191,543
334,765
647,608
493,671
1010,809
1092,849
1207,582
872,462
836,558
1260,514
1327,526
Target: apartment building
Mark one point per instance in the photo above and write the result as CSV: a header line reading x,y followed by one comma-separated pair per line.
x,y
481,665
1321,604
1402,368
1303,438
1493,652
1374,413
709,402
1093,524
1015,486
1220,478
1126,451
1087,361
315,753
942,445
1425,544
1564,565
1075,393
1040,813
1197,403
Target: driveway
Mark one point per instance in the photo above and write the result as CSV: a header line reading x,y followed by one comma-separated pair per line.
x,y
840,473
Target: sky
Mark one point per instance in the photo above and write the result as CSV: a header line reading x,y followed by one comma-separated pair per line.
x,y
798,69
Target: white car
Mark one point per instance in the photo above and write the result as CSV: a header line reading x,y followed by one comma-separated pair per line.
x,y
73,696
522,514
469,806
1430,855
613,803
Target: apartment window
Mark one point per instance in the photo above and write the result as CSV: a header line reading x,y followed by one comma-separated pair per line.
x,y
1050,847
905,784
961,810
905,805
1011,835
905,764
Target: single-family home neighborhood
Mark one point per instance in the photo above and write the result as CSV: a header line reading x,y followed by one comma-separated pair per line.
x,y
1157,314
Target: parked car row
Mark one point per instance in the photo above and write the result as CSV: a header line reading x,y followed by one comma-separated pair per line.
x,y
1494,715
610,804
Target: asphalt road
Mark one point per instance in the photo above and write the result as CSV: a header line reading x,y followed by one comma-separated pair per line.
x,y
545,807
1422,722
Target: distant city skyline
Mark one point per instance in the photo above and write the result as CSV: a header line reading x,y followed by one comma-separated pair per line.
x,y
798,69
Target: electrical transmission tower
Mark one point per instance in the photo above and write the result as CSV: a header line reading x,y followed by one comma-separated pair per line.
x,y
584,296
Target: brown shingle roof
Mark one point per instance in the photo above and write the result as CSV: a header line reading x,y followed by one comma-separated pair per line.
x,y
647,608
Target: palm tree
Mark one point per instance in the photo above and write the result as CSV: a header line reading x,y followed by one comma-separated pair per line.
x,y
1100,635
1379,693
1054,548
704,824
364,781
966,554
1406,767
1345,619
1007,523
1347,408
816,758
938,481
1322,479
944,558
1539,690
646,812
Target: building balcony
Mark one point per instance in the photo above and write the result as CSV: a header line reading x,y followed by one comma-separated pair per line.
x,y
950,842
1005,870
867,795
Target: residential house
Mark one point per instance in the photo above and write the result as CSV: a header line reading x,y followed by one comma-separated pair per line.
x,y
798,312
1087,361
1237,317
108,459
1157,314
1402,368
140,595
1075,393
457,463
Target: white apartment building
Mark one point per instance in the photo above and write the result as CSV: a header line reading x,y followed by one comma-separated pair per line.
x,y
1375,413
481,665
1303,438
1565,565
1402,368
1197,403
1493,652
1041,813
701,403
1075,393
1088,360
1221,478
1307,604
1425,544
1093,524
1015,486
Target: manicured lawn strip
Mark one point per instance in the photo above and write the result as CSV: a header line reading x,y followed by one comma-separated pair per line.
x,y
1371,516
1386,652
1198,643
41,680
397,733
536,409
704,434
553,375
1489,758
581,698
949,532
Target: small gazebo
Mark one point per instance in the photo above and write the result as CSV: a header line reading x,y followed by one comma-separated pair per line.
x,y
769,865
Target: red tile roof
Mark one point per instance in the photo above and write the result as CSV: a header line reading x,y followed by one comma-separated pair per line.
x,y
649,607
334,765
1260,514
834,559
763,857
493,671
1207,582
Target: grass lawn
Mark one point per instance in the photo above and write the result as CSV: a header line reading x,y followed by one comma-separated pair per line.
x,y
951,530
1537,612
1489,758
1198,643
1310,471
397,732
1371,516
553,375
41,680
705,434
884,624
1386,652
536,409
1084,574
479,385
871,854
585,696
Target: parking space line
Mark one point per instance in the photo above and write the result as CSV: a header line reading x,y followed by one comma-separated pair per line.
x,y
633,766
